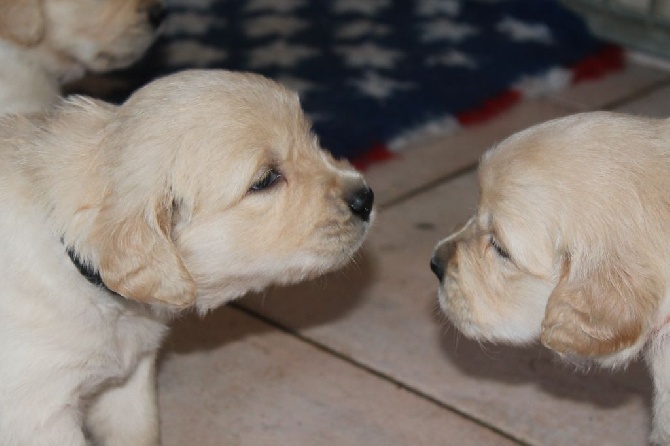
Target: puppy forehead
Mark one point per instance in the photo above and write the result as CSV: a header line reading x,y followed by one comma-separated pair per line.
x,y
231,117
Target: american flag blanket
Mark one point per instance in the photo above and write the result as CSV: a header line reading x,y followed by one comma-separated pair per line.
x,y
374,74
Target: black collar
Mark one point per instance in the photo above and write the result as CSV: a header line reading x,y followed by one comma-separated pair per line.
x,y
89,273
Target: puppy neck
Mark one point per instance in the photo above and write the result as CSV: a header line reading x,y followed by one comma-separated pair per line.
x,y
22,72
163,314
59,156
87,271
61,65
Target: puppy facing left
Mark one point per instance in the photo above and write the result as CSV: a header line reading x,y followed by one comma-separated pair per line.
x,y
203,186
570,245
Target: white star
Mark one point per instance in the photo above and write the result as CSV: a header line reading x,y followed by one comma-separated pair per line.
x,y
192,53
368,54
438,127
542,85
279,53
379,87
191,23
268,25
359,28
447,29
521,31
296,84
429,8
452,58
273,5
367,7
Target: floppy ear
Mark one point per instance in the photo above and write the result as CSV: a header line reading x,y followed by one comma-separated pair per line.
x,y
600,313
22,21
138,259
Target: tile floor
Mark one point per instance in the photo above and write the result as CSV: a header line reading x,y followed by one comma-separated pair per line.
x,y
363,357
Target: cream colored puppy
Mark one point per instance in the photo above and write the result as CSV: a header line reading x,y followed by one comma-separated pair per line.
x,y
571,245
203,186
47,43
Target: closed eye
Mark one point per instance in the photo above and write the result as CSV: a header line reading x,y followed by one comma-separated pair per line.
x,y
268,179
498,249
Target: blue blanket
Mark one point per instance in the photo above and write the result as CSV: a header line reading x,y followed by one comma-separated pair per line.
x,y
369,71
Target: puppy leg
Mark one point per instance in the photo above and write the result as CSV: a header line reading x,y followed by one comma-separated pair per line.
x,y
659,362
128,414
43,415
39,428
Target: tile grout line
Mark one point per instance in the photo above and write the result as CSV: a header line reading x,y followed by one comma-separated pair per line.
x,y
428,186
638,94
374,372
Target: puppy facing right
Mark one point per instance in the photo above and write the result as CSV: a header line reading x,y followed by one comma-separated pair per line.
x,y
570,244
201,187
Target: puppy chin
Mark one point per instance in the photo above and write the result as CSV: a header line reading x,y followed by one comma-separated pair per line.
x,y
215,293
521,326
108,62
117,58
618,360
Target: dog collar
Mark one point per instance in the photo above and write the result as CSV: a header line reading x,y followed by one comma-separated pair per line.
x,y
89,273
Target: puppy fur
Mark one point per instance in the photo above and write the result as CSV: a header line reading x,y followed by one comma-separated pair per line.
x,y
47,43
203,186
571,245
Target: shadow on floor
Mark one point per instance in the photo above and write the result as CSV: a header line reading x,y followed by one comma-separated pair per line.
x,y
536,365
299,306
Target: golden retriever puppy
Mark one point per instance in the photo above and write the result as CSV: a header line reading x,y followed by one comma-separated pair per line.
x,y
47,43
571,245
202,186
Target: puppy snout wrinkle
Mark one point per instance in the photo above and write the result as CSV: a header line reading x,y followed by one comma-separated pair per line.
x,y
360,202
156,14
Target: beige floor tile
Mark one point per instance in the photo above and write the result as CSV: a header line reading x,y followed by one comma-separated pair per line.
x,y
612,89
232,380
655,103
382,313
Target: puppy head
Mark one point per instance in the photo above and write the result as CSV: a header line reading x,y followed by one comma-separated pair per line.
x,y
215,186
568,243
96,35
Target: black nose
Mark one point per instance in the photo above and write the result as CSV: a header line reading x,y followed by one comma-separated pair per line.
x,y
156,14
361,202
438,266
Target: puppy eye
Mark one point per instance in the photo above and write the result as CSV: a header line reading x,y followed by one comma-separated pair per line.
x,y
498,249
268,179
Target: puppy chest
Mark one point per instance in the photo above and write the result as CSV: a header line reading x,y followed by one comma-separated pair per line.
x,y
127,339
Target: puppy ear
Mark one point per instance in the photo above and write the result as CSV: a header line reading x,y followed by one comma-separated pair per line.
x,y
139,260
600,313
22,21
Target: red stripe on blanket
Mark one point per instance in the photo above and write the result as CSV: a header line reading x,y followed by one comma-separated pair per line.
x,y
377,152
611,58
490,108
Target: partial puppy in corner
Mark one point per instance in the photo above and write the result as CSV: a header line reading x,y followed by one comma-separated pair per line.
x,y
571,245
201,187
47,43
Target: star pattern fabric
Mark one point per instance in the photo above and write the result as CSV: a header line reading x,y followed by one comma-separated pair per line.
x,y
370,71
